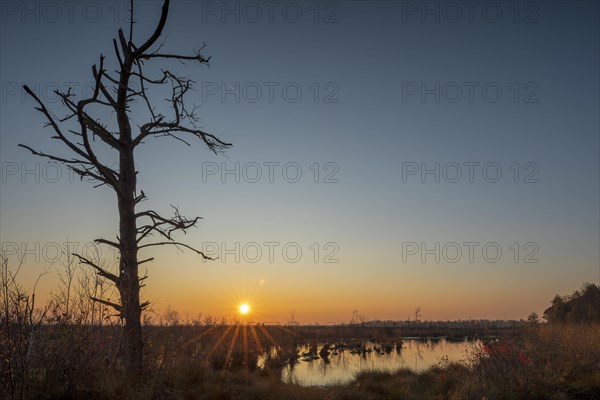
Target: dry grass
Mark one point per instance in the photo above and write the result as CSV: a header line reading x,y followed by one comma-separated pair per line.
x,y
546,363
69,350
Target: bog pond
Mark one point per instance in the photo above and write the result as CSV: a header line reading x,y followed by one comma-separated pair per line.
x,y
324,364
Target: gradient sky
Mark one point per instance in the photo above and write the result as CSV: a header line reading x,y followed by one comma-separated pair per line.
x,y
367,114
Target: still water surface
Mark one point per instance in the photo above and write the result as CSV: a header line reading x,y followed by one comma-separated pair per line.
x,y
342,365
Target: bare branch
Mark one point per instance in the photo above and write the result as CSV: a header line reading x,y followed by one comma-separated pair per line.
x,y
197,57
164,226
116,47
177,244
54,158
100,271
142,196
108,242
157,31
42,108
116,306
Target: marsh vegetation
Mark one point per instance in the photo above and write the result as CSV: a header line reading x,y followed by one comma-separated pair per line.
x,y
71,347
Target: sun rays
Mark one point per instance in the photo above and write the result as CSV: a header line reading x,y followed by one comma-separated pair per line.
x,y
239,339
238,345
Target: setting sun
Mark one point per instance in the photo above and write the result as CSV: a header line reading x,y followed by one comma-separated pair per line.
x,y
244,309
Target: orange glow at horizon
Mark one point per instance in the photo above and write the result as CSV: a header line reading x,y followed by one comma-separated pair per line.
x,y
280,295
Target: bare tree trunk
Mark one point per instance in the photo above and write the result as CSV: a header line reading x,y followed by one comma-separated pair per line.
x,y
129,284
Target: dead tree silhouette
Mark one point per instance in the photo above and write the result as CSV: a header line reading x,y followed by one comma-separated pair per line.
x,y
117,92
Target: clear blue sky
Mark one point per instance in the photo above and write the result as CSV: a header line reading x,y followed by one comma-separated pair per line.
x,y
374,93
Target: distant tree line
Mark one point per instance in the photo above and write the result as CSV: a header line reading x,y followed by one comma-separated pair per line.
x,y
581,306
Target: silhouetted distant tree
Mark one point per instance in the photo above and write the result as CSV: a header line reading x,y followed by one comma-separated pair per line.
x,y
87,138
418,314
533,318
358,318
581,306
558,311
